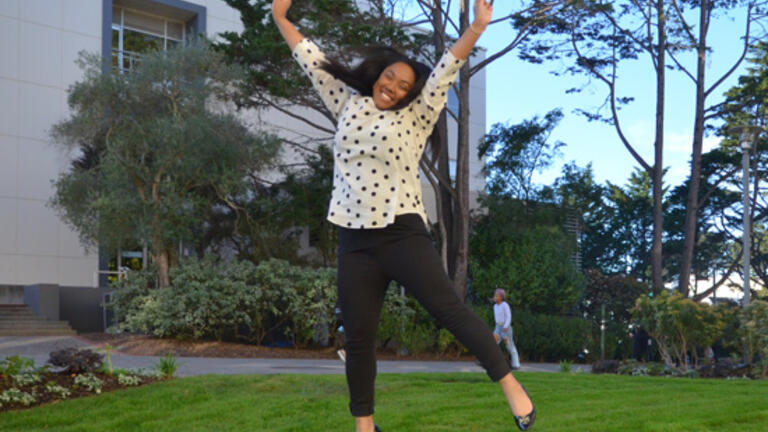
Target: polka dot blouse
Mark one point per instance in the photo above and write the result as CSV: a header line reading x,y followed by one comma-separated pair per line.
x,y
377,153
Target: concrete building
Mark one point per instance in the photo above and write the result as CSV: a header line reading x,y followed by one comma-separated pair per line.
x,y
42,262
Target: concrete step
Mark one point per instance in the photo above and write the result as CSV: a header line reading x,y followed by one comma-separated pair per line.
x,y
20,320
20,317
37,332
35,324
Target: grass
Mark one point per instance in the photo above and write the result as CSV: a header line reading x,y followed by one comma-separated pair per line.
x,y
410,402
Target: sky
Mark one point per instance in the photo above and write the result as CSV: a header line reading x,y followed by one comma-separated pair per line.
x,y
516,90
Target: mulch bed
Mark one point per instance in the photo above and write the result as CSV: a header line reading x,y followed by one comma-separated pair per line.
x,y
143,345
66,380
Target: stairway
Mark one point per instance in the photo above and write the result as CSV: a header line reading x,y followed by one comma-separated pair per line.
x,y
20,320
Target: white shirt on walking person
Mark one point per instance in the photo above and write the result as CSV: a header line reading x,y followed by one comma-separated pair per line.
x,y
502,315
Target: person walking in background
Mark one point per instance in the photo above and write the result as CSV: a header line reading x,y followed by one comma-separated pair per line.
x,y
503,331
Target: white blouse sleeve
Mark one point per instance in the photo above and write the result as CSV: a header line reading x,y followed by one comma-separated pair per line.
x,y
508,315
333,92
428,105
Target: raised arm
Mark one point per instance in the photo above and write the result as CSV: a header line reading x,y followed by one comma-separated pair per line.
x,y
287,29
463,47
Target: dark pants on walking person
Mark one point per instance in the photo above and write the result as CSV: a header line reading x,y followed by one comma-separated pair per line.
x,y
363,277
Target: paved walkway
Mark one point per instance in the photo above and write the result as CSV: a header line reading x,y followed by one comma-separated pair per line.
x,y
39,348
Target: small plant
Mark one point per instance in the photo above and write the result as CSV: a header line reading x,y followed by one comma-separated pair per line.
x,y
14,395
565,366
89,381
15,365
167,366
57,390
107,352
128,380
75,360
26,378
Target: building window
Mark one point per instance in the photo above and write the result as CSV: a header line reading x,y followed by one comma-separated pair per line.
x,y
135,33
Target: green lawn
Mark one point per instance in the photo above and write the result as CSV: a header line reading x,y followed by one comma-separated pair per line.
x,y
410,402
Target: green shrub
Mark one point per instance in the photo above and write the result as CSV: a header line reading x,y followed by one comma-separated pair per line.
x,y
753,333
681,327
167,366
211,299
89,381
541,337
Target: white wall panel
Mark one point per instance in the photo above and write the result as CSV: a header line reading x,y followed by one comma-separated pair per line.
x,y
45,12
9,155
76,271
31,269
37,166
72,44
8,269
9,8
82,16
9,47
9,107
37,229
8,225
40,56
39,109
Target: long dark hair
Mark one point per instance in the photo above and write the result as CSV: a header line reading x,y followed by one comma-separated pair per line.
x,y
375,59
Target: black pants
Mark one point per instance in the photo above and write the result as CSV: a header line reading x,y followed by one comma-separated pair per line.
x,y
363,277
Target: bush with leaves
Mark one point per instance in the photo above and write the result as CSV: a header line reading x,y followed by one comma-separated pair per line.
x,y
681,327
753,334
213,299
536,270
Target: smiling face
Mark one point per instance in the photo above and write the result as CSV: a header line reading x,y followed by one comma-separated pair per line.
x,y
393,85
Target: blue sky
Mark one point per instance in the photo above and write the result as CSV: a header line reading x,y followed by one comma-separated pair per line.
x,y
517,90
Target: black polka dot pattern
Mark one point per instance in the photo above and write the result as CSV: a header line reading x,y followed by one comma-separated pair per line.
x,y
376,151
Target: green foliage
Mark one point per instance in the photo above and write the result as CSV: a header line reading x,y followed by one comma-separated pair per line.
x,y
17,365
536,270
211,299
167,366
681,327
544,337
90,382
616,292
14,395
565,366
753,333
58,391
128,380
157,151
516,152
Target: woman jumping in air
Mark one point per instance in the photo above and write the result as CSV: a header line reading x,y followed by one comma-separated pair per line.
x,y
386,108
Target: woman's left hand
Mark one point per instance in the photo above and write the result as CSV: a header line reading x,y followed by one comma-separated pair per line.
x,y
483,12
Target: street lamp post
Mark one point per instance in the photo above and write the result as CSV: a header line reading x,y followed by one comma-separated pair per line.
x,y
747,135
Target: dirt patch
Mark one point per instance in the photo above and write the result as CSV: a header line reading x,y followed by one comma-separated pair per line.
x,y
142,345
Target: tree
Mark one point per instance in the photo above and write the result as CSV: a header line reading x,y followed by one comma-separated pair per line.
x,y
515,153
599,36
698,42
159,149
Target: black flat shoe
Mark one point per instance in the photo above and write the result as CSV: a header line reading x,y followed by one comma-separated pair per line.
x,y
376,428
525,422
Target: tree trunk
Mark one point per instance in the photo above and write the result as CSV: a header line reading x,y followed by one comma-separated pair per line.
x,y
658,166
163,266
461,206
692,206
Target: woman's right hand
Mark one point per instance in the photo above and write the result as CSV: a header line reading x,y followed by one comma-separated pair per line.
x,y
280,8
